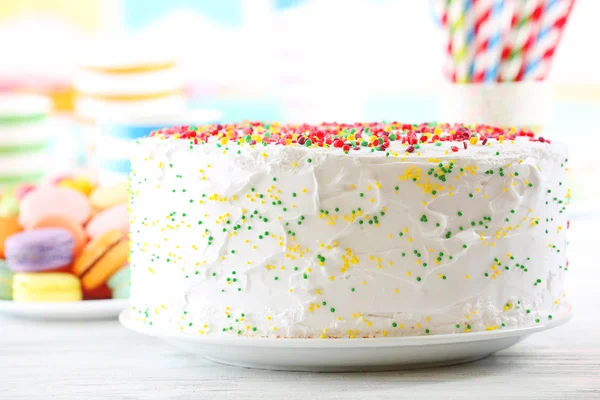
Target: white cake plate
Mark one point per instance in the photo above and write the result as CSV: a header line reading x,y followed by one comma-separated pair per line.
x,y
337,355
73,311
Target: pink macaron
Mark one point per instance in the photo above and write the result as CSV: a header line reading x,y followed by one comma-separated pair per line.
x,y
48,200
115,217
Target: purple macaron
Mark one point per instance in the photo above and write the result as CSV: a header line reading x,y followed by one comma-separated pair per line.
x,y
39,250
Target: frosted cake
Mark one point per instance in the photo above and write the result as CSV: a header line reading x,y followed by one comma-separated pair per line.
x,y
347,231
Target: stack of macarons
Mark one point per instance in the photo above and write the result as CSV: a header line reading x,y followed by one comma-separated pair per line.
x,y
25,139
68,241
125,79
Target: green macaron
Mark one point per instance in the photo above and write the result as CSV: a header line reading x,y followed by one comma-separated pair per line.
x,y
119,283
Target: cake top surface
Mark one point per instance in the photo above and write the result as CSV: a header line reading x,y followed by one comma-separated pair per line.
x,y
362,136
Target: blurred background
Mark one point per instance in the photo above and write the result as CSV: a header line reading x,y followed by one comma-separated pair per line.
x,y
113,66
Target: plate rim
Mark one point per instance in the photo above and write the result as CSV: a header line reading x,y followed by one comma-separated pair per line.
x,y
12,307
127,322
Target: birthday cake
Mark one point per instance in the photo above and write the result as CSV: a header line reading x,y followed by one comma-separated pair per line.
x,y
347,231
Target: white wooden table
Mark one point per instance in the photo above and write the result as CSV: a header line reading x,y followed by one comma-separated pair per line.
x,y
74,360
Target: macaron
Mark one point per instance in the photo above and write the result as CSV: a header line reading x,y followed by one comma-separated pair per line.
x,y
8,227
101,258
60,221
81,185
45,249
108,196
116,217
119,283
6,280
50,287
48,200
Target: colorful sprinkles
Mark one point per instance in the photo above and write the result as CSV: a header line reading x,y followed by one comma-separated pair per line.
x,y
376,136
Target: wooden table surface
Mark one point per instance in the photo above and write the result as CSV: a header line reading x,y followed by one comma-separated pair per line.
x,y
70,360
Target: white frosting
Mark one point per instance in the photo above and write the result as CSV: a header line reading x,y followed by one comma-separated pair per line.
x,y
319,272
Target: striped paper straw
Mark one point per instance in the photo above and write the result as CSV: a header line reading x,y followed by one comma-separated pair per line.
x,y
553,21
491,26
535,18
461,37
520,38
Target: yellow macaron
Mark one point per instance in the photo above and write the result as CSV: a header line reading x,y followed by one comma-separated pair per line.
x,y
107,196
46,287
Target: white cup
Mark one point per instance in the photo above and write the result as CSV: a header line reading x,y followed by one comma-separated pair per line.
x,y
509,104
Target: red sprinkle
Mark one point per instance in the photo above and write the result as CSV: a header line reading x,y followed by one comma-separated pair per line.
x,y
454,148
410,149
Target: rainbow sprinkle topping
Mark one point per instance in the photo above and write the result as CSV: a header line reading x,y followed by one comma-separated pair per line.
x,y
376,136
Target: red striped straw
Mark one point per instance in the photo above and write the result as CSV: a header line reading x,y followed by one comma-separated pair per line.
x,y
550,34
481,41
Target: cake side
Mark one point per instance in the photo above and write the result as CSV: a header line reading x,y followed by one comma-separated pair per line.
x,y
241,237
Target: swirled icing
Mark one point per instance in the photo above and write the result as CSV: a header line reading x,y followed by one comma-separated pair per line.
x,y
289,241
